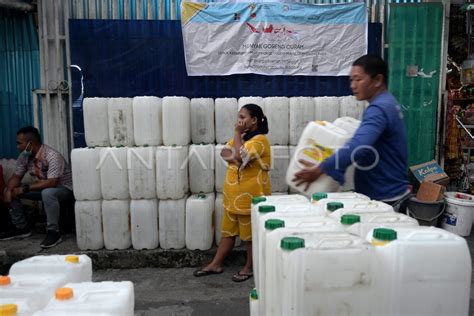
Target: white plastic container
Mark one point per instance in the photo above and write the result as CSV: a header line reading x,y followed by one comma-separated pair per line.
x,y
326,108
96,122
318,141
172,223
201,168
301,113
277,113
92,298
459,213
171,172
350,125
251,100
361,207
286,199
321,199
361,224
347,123
226,117
116,222
218,214
85,174
280,161
221,168
144,221
424,271
176,121
328,273
264,210
253,303
30,292
351,107
147,121
113,173
295,226
75,268
120,115
89,233
202,121
141,172
200,221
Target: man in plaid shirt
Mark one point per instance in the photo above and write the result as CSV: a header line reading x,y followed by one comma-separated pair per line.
x,y
53,185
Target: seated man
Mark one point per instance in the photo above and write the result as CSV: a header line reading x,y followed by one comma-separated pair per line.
x,y
53,184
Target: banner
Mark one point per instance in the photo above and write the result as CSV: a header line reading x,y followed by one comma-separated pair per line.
x,y
224,38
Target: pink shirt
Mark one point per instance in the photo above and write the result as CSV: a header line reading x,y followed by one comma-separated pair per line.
x,y
47,164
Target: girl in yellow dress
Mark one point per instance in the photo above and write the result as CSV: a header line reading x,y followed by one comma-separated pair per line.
x,y
249,160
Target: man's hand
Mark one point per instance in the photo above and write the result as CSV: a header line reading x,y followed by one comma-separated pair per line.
x,y
16,191
308,175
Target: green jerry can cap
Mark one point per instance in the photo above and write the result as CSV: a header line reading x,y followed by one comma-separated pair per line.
x,y
274,223
332,206
319,196
266,208
349,219
385,234
258,199
201,196
253,294
292,243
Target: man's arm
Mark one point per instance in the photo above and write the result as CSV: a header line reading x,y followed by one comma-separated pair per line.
x,y
13,182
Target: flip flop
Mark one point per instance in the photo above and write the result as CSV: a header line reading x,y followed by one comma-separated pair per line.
x,y
241,277
201,272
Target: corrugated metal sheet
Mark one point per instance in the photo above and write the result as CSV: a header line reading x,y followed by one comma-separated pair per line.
x,y
133,58
170,9
19,73
417,44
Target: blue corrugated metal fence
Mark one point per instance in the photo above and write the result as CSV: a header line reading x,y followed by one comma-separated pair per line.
x,y
19,73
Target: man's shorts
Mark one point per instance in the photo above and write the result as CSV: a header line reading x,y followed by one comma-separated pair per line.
x,y
236,225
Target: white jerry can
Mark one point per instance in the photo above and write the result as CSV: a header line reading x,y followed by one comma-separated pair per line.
x,y
96,122
202,121
176,121
147,121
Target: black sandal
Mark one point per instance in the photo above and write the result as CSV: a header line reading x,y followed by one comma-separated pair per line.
x,y
241,277
201,272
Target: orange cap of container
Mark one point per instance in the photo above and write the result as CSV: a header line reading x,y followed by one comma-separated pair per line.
x,y
64,293
8,309
5,280
72,259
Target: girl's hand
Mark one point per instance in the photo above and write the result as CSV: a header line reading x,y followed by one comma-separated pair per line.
x,y
239,128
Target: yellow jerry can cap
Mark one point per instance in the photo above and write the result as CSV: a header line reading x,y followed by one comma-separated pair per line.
x,y
5,280
64,293
72,259
8,309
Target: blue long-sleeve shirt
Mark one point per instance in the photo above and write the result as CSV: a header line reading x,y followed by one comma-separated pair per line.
x,y
379,148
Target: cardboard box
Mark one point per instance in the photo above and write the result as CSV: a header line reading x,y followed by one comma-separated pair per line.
x,y
430,192
429,171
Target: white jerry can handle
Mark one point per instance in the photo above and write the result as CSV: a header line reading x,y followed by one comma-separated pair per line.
x,y
311,225
366,205
415,236
345,242
389,218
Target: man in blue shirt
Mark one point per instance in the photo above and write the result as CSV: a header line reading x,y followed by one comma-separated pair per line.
x,y
378,147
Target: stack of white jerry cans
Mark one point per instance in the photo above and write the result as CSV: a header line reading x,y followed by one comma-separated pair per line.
x,y
344,254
